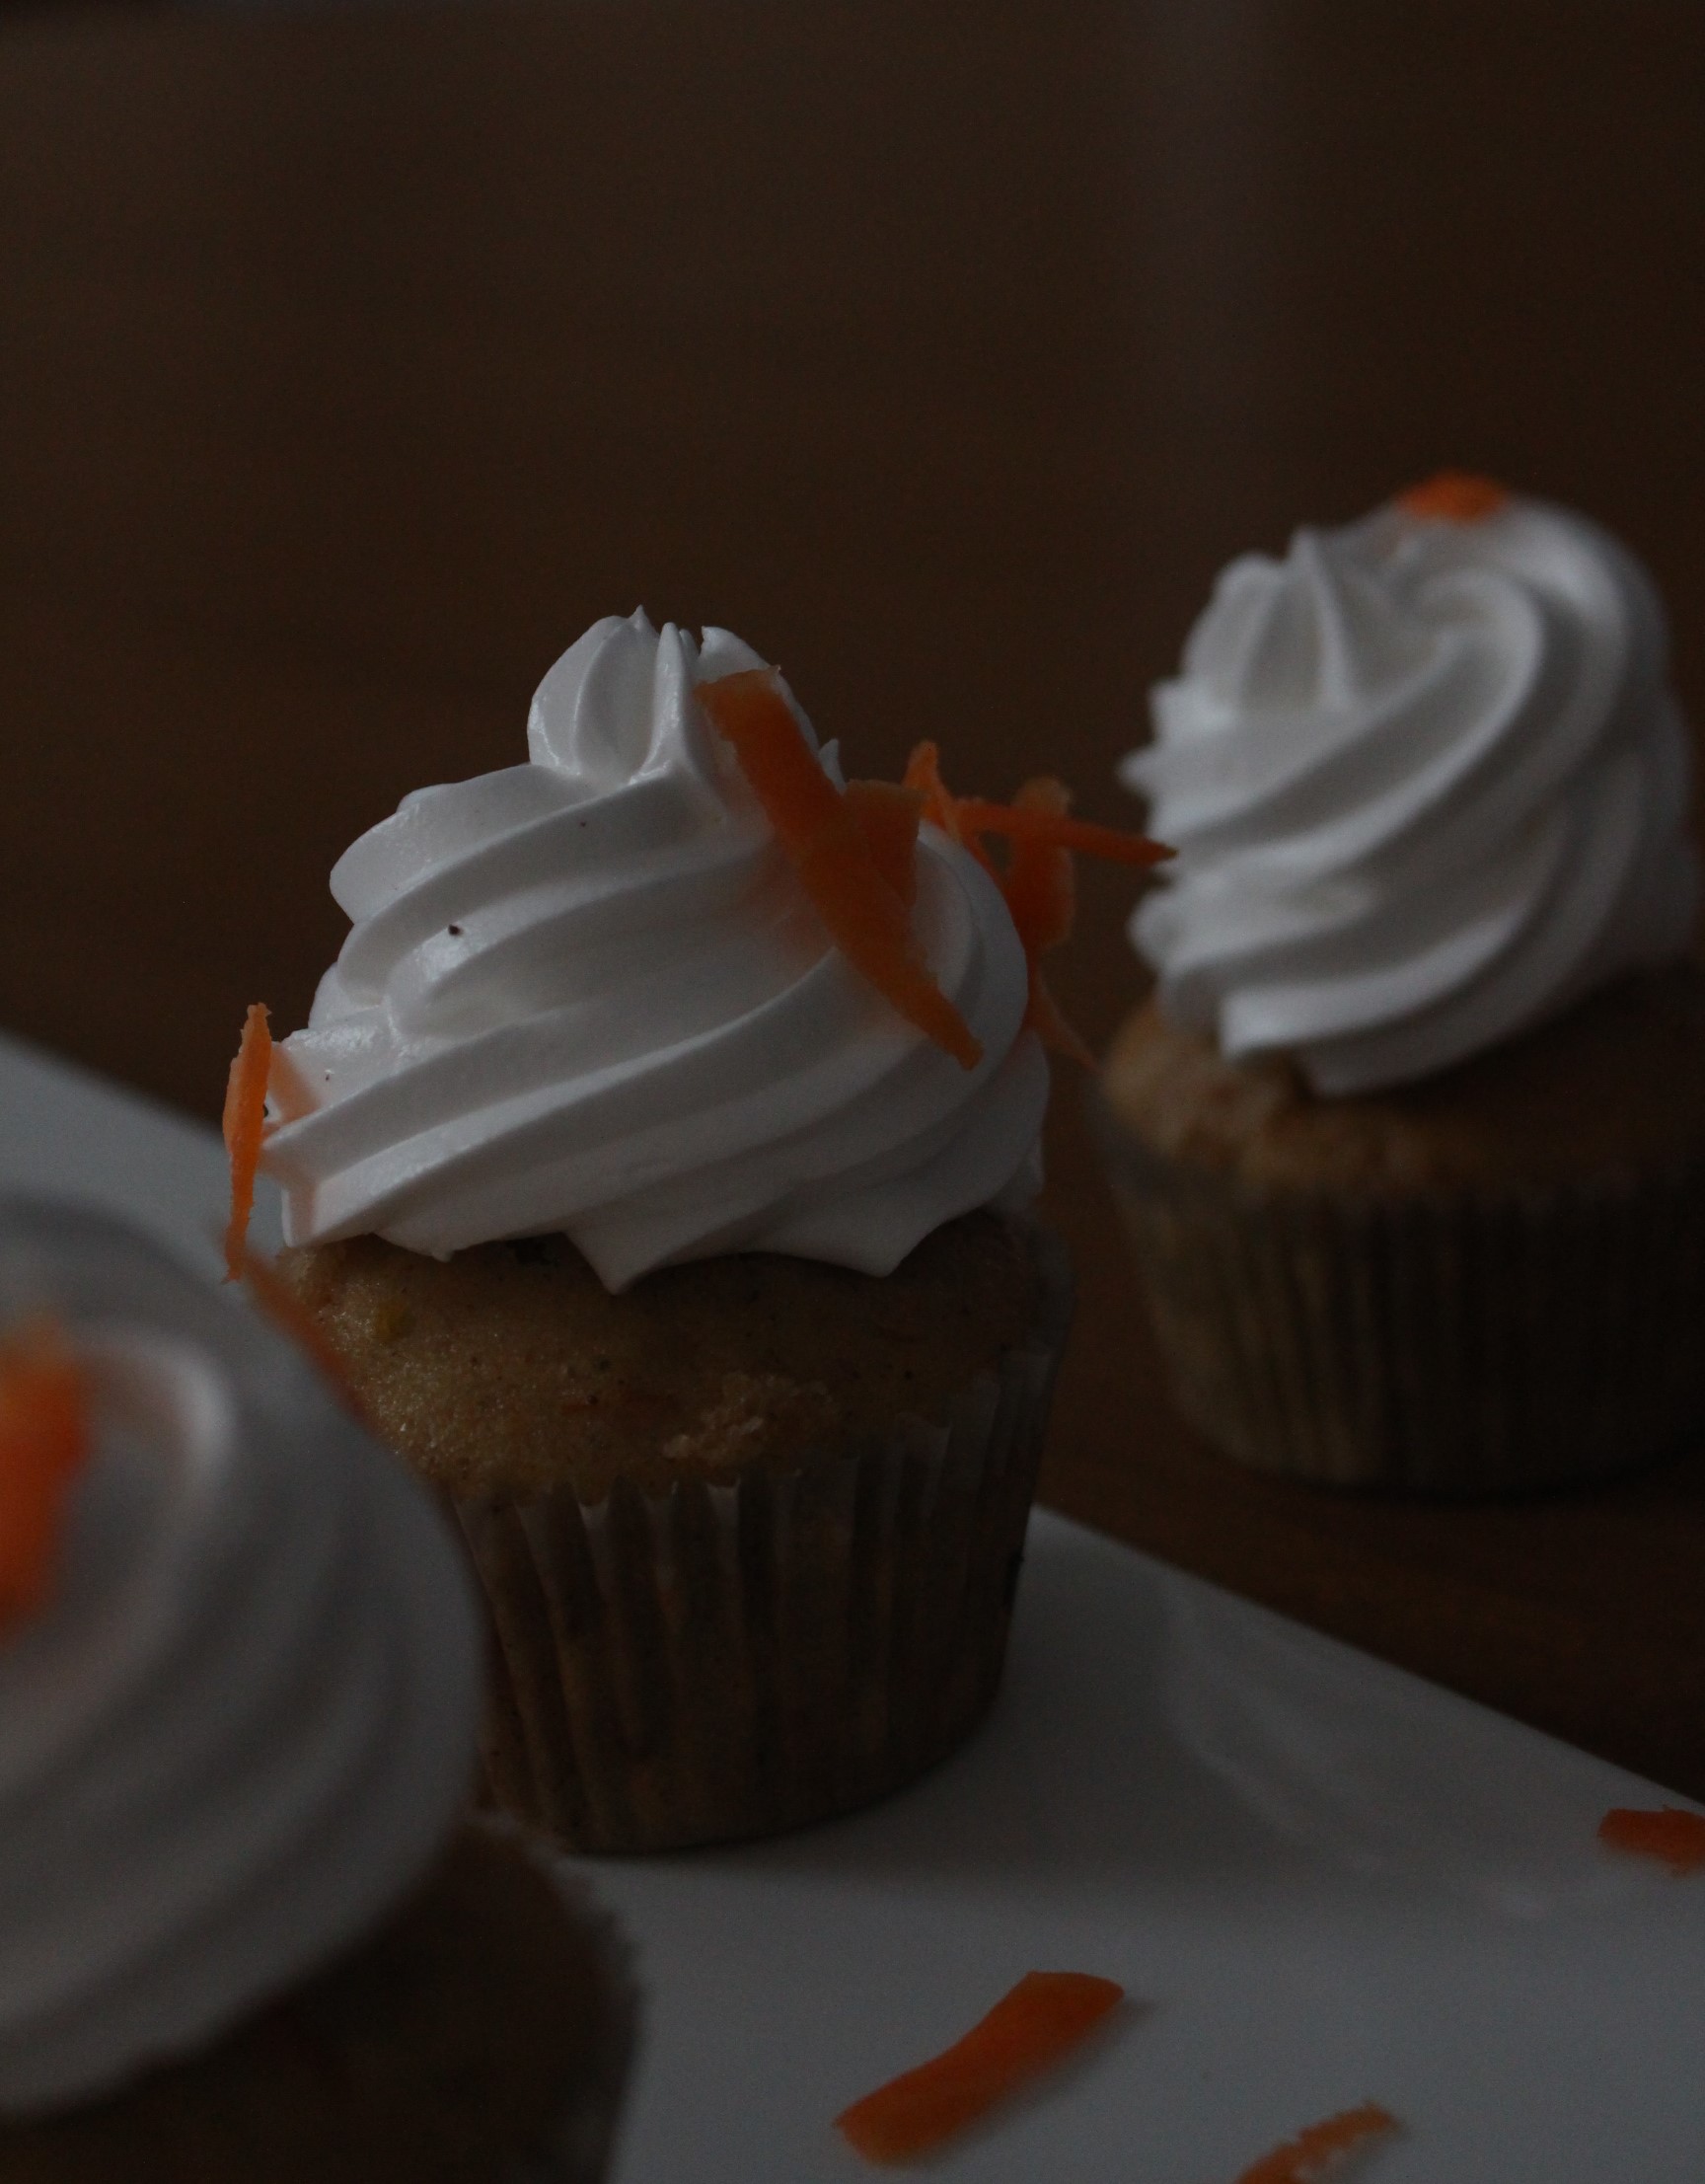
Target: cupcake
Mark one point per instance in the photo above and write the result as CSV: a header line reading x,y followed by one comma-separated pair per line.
x,y
1411,1135
245,1931
657,1162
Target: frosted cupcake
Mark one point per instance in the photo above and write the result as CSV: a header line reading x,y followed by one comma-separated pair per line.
x,y
243,1930
657,1159
1411,1135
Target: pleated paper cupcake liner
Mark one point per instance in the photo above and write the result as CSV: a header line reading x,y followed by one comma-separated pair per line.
x,y
1449,1345
733,1660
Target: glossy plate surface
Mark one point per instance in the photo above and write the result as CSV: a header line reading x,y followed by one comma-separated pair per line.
x,y
1320,1880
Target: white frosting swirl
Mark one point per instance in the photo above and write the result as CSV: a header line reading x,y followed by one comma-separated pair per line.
x,y
589,995
1428,785
244,1722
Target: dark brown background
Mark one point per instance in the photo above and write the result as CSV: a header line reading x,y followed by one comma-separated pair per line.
x,y
348,367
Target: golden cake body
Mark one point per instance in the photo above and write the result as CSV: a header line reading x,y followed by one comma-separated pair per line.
x,y
1410,1141
651,1232
247,1928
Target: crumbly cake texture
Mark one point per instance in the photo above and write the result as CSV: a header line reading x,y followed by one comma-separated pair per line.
x,y
481,2037
749,1533
1616,1088
511,1367
1489,1281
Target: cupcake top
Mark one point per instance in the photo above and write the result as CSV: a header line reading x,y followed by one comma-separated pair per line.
x,y
591,995
238,1715
1428,785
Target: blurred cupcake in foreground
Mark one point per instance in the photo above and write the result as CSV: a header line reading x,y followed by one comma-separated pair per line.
x,y
243,1932
1411,1135
657,1162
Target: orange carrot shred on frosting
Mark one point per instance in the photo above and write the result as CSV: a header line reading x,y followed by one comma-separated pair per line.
x,y
1040,886
887,815
941,806
1671,1835
1037,881
1312,2151
245,1127
45,1438
1034,2025
1455,496
866,918
1021,823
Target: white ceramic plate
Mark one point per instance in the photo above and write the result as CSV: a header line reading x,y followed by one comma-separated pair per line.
x,y
1320,1880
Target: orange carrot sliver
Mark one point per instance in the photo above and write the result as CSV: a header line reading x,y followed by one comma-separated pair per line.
x,y
1312,2150
1672,1835
1038,2022
1038,885
887,817
45,1439
977,816
245,1127
866,919
923,777
1455,496
1041,891
941,806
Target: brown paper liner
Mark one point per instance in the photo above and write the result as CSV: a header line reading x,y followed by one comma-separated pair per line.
x,y
1450,1345
723,1661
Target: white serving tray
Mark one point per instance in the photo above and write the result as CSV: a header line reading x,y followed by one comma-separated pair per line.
x,y
1321,1880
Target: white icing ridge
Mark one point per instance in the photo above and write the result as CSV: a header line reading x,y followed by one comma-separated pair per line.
x,y
245,1722
589,994
1427,786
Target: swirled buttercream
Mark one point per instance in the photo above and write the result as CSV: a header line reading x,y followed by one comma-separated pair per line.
x,y
1427,786
245,1720
589,995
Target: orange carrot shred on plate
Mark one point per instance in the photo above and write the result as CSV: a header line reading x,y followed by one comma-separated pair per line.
x,y
245,1127
1037,2024
1312,2151
1455,496
887,815
45,1438
866,918
1671,1835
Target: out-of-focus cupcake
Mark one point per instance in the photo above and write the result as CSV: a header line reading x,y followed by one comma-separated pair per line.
x,y
658,1161
1411,1135
244,1930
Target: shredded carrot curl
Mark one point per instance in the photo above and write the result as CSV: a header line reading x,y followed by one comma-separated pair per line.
x,y
44,1440
1035,822
1037,881
1455,496
941,806
245,1127
1671,1835
887,817
866,918
1040,884
1312,2151
1038,2022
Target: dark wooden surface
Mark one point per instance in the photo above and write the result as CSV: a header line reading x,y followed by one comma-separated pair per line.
x,y
348,367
